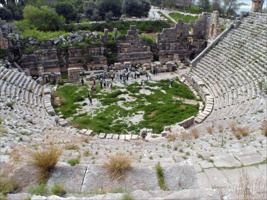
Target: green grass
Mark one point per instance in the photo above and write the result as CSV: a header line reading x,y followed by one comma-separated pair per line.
x,y
73,162
186,18
58,190
160,176
7,185
160,108
71,95
39,190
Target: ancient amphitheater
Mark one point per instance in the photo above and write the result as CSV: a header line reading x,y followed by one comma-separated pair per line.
x,y
223,156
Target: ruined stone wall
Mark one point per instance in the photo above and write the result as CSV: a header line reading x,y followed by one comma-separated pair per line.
x,y
3,41
256,5
173,42
59,60
133,49
179,44
214,25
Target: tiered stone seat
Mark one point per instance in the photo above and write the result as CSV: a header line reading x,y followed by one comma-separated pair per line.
x,y
233,69
22,102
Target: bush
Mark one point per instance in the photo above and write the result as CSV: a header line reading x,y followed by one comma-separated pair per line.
x,y
73,162
117,166
38,190
108,6
7,185
160,176
58,190
45,161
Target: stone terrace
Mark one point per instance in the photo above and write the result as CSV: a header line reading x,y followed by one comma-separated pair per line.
x,y
232,71
24,106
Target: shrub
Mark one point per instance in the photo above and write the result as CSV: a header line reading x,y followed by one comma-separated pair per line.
x,y
45,161
74,161
117,166
38,190
58,190
160,176
7,185
194,133
67,10
264,128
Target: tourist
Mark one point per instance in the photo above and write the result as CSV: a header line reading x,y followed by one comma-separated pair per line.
x,y
146,76
82,81
171,82
90,99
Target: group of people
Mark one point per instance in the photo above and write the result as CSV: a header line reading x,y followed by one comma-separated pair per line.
x,y
106,80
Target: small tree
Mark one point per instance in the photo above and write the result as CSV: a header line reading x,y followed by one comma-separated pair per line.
x,y
44,18
67,10
105,6
137,8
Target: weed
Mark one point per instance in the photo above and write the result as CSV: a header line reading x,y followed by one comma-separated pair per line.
x,y
117,165
58,190
45,161
38,190
7,185
73,162
160,176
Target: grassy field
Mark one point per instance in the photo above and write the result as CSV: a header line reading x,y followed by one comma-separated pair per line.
x,y
186,18
160,108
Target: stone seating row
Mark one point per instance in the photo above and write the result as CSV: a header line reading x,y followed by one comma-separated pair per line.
x,y
23,89
233,68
